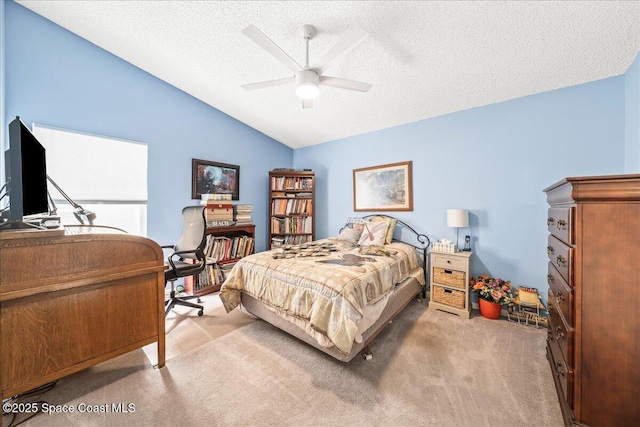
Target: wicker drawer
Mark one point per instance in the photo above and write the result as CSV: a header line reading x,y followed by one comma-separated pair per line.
x,y
451,278
448,296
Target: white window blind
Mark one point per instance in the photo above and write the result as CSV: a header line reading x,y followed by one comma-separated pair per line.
x,y
105,175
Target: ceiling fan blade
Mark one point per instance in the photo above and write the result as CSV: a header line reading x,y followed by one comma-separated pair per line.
x,y
267,44
348,42
268,83
344,83
307,103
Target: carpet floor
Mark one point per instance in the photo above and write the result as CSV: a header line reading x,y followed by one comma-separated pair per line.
x,y
429,369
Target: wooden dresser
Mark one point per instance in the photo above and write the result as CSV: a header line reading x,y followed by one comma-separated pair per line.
x,y
70,301
593,345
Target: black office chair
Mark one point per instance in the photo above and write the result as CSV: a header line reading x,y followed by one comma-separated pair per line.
x,y
189,247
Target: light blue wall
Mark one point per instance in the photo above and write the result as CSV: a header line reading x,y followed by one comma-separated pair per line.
x,y
56,78
632,117
494,161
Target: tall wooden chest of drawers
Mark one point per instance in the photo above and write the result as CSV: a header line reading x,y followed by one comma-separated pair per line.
x,y
593,343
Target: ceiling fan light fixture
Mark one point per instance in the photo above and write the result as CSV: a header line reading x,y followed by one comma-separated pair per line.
x,y
307,84
307,90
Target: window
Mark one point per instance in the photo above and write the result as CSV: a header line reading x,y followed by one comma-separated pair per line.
x,y
107,176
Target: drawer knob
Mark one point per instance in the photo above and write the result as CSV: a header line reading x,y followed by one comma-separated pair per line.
x,y
549,249
559,296
550,220
559,333
560,224
549,278
448,261
560,260
559,371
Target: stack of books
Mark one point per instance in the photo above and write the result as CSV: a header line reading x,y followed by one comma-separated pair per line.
x,y
242,214
206,198
218,214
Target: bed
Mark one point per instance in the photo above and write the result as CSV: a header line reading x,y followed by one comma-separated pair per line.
x,y
335,294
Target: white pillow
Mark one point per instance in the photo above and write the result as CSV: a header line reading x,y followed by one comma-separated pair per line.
x,y
374,233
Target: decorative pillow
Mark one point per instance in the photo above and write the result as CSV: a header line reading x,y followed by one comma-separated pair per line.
x,y
352,231
374,233
392,226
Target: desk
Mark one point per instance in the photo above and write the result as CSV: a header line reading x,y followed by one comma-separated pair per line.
x,y
70,301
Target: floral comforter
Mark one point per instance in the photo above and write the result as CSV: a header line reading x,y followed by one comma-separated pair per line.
x,y
324,285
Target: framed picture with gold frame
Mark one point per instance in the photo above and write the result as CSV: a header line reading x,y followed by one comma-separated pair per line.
x,y
383,188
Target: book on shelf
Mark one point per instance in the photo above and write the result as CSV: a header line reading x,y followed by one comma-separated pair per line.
x,y
281,183
297,239
222,248
292,206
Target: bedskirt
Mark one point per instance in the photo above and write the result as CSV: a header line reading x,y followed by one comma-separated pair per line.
x,y
402,295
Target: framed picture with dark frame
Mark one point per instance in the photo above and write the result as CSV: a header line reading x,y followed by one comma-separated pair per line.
x,y
214,177
383,188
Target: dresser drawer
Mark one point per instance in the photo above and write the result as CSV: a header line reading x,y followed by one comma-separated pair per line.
x,y
559,368
560,223
448,262
561,293
561,333
561,256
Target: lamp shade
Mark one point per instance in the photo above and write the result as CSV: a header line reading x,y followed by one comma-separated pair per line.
x,y
457,218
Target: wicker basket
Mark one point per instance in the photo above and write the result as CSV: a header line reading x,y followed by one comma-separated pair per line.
x,y
447,296
452,278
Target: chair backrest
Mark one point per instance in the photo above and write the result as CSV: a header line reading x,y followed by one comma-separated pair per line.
x,y
193,231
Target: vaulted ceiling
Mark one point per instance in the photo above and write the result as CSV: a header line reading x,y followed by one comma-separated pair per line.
x,y
424,59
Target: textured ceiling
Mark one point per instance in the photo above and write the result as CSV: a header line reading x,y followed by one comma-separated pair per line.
x,y
424,59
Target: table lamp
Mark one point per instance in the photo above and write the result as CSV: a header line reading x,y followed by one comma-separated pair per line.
x,y
457,218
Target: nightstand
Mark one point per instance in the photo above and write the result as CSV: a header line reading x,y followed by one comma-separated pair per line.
x,y
449,278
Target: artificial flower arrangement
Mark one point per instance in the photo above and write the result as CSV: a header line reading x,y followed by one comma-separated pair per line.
x,y
492,289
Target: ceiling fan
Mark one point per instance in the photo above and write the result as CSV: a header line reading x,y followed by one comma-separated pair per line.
x,y
308,78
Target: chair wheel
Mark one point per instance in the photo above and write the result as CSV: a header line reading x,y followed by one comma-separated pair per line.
x,y
200,313
199,300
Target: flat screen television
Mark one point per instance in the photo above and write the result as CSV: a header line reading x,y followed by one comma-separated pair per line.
x,y
26,176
